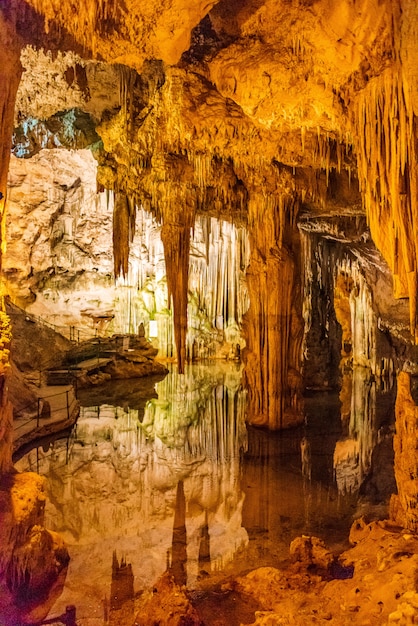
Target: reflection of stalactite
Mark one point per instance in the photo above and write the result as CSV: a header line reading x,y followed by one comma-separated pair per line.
x,y
178,567
200,413
256,482
123,473
122,587
353,454
204,546
306,460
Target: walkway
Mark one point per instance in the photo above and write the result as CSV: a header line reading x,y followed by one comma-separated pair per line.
x,y
57,409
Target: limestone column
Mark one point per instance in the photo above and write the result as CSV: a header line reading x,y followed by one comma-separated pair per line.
x,y
273,324
10,71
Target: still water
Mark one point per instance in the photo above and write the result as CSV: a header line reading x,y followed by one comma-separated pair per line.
x,y
165,475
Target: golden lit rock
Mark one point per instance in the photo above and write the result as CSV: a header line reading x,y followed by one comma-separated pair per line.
x,y
259,114
404,505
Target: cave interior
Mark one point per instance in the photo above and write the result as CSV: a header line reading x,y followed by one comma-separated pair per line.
x,y
238,179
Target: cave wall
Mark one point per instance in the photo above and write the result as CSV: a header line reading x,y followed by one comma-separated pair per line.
x,y
60,263
404,503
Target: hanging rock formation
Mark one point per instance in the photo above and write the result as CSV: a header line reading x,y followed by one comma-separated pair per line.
x,y
199,98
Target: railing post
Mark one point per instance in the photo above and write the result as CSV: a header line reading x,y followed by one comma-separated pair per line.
x,y
68,405
70,615
39,413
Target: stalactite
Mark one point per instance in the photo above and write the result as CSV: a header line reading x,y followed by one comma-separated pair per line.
x,y
217,293
177,221
176,240
83,20
341,320
217,283
386,127
124,214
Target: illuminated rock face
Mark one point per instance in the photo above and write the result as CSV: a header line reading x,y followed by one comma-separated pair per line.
x,y
60,263
246,112
32,557
404,505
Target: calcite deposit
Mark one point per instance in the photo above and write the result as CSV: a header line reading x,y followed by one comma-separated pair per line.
x,y
289,129
404,504
218,110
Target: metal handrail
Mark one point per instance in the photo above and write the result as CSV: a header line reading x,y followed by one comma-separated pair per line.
x,y
69,332
69,405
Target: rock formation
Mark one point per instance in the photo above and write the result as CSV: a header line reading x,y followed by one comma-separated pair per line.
x,y
404,504
372,584
231,115
293,122
32,557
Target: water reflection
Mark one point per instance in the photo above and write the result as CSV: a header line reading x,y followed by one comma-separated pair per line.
x,y
176,482
127,478
352,456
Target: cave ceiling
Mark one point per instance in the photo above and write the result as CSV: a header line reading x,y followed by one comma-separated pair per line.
x,y
220,94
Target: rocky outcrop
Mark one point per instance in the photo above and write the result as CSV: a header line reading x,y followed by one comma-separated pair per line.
x,y
32,557
168,605
10,73
373,584
404,505
97,361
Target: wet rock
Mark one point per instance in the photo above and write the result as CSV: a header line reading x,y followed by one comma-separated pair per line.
x,y
381,591
407,610
32,557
